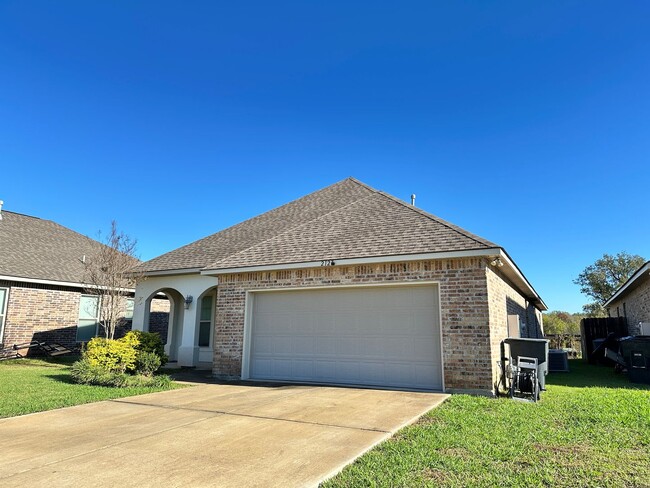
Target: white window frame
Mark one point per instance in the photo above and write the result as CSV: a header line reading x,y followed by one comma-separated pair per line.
x,y
97,319
3,313
126,308
212,311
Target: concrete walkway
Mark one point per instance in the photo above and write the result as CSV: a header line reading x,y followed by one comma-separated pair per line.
x,y
206,435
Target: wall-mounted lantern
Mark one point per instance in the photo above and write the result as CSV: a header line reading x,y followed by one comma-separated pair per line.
x,y
188,301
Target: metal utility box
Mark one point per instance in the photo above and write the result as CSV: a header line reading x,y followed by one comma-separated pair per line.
x,y
558,360
636,352
532,348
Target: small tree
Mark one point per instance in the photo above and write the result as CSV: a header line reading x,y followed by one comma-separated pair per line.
x,y
563,326
601,279
109,275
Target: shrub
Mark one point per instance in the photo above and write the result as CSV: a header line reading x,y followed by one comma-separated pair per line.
x,y
150,342
85,373
127,362
147,363
116,356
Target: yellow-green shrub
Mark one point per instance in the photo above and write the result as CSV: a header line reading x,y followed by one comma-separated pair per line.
x,y
116,356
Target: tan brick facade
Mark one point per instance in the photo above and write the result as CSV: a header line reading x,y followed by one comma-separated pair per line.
x,y
504,300
41,314
634,304
50,313
472,324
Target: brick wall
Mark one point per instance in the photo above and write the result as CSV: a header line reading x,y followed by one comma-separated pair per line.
x,y
159,317
41,314
465,318
509,301
46,313
637,305
504,300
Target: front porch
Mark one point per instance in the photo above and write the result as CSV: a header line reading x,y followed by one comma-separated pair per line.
x,y
190,330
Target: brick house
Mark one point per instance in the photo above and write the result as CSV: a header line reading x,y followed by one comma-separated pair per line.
x,y
347,285
43,296
632,301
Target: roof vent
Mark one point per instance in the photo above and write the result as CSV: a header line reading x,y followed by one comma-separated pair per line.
x,y
413,199
1,202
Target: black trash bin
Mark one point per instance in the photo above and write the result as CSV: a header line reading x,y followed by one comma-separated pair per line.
x,y
532,348
636,352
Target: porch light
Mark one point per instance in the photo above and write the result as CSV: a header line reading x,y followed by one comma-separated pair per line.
x,y
188,301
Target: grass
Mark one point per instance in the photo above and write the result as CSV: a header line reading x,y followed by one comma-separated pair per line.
x,y
591,428
35,385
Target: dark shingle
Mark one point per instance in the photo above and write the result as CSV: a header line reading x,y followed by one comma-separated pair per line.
x,y
345,220
41,249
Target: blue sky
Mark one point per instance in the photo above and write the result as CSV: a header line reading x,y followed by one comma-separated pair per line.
x,y
526,123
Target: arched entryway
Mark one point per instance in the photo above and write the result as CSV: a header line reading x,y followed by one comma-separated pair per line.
x,y
192,306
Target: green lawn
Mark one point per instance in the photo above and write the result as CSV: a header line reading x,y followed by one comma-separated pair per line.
x,y
591,428
34,385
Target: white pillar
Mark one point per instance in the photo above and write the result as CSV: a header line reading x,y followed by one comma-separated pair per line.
x,y
188,351
140,312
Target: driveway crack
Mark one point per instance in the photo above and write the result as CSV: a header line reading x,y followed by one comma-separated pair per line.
x,y
261,417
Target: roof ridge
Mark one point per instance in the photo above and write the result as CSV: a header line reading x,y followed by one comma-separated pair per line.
x,y
439,220
238,224
22,215
210,266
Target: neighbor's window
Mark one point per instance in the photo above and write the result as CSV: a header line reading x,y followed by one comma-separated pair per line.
x,y
3,311
128,313
88,318
205,321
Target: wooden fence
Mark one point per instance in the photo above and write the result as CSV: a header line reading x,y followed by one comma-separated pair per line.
x,y
600,328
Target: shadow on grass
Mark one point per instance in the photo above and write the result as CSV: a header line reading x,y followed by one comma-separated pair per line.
x,y
61,378
584,375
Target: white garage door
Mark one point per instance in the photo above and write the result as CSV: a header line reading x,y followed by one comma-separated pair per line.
x,y
384,336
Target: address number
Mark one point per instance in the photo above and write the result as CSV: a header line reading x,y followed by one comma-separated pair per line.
x,y
327,262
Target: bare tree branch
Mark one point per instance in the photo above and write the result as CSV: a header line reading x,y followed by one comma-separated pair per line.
x,y
109,275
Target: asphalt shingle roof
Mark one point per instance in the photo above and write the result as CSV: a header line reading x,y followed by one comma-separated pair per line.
x,y
41,249
345,220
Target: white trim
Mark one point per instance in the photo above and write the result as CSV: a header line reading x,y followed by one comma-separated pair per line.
x,y
638,274
3,313
71,284
213,294
355,261
172,272
248,318
519,275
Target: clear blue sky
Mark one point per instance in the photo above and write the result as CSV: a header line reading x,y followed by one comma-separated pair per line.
x,y
527,123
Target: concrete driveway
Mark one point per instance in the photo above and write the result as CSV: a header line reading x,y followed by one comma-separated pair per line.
x,y
206,435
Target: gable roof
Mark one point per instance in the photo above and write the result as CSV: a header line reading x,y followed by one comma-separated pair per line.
x,y
633,281
345,220
37,249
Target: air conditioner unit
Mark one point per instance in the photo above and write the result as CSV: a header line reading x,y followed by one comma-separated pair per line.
x,y
558,360
644,328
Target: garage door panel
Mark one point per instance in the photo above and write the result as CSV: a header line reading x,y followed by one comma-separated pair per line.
x,y
385,336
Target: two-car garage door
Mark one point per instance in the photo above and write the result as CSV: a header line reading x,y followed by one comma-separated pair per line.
x,y
378,335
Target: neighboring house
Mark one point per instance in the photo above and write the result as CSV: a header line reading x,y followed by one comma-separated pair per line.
x,y
632,301
347,285
43,296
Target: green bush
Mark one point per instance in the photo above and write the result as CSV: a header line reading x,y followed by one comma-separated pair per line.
x,y
127,362
86,373
115,356
147,363
150,342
